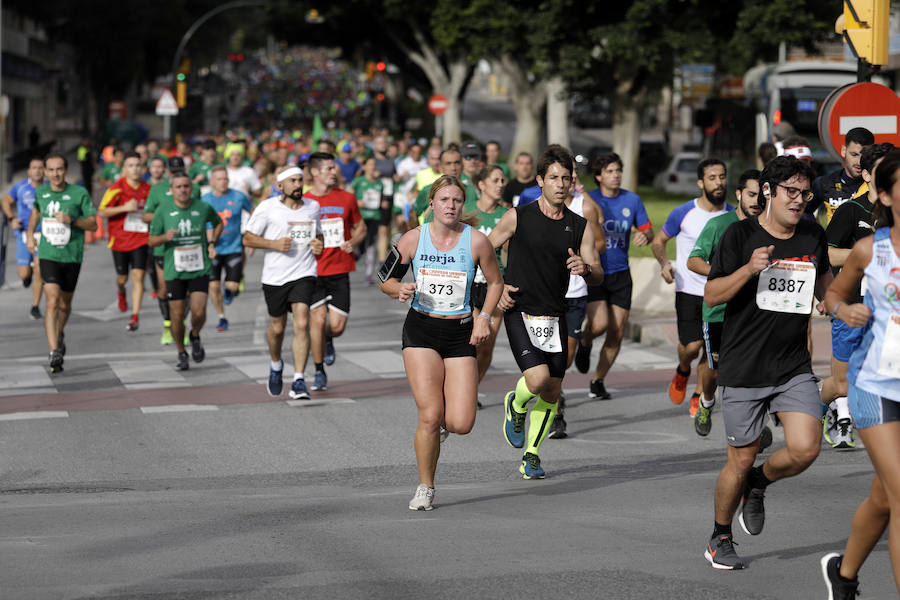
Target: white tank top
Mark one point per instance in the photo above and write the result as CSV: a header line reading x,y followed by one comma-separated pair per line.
x,y
577,284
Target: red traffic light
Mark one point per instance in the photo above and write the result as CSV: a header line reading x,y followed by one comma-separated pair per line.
x,y
236,56
239,56
380,66
380,97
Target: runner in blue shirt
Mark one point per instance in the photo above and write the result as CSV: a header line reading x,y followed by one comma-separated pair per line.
x,y
610,302
17,206
529,195
229,204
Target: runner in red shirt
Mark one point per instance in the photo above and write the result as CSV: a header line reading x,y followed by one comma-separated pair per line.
x,y
123,206
344,230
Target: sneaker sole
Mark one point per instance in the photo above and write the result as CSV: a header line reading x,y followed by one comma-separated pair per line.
x,y
823,563
720,566
421,508
313,388
744,526
507,417
269,392
300,396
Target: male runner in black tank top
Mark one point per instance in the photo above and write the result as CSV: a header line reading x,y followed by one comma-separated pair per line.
x,y
547,241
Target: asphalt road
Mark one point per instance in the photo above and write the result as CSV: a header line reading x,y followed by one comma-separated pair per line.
x,y
121,478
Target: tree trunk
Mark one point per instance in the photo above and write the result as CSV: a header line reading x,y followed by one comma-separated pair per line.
x,y
557,112
529,99
627,109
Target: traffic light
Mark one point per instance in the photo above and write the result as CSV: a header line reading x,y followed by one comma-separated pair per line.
x,y
181,91
380,65
864,26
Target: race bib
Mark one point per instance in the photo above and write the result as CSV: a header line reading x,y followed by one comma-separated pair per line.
x,y
889,363
387,186
188,258
371,199
787,286
543,332
134,222
333,230
301,233
441,290
56,232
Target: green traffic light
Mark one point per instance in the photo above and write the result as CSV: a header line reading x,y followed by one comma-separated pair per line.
x,y
180,77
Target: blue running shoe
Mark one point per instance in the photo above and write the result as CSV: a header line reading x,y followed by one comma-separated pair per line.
x,y
531,467
320,383
275,385
223,324
329,351
227,296
514,424
298,390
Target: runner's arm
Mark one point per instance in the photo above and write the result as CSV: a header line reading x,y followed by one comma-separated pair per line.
x,y
698,265
393,287
587,255
845,284
594,215
504,229
357,233
8,204
85,223
838,256
487,260
720,290
658,245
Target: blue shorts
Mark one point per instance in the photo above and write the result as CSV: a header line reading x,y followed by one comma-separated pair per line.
x,y
869,410
844,339
24,258
576,308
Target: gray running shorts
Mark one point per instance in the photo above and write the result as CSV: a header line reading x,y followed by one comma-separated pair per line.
x,y
745,409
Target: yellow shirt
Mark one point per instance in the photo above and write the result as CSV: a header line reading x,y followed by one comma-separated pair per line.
x,y
426,177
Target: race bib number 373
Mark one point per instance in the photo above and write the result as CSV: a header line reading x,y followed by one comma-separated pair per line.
x,y
441,290
787,286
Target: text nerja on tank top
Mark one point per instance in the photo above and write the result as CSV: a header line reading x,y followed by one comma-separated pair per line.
x,y
443,279
875,364
536,262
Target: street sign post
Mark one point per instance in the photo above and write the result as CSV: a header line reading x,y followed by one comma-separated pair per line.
x,y
871,105
437,105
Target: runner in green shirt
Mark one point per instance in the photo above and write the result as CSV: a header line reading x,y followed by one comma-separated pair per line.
x,y
65,212
179,225
199,171
369,192
699,261
112,170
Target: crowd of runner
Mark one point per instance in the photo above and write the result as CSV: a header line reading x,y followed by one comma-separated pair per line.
x,y
527,246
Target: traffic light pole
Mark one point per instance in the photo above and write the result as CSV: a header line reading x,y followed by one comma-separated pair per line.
x,y
863,70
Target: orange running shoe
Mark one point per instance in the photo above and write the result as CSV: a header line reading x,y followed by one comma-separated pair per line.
x,y
695,404
678,387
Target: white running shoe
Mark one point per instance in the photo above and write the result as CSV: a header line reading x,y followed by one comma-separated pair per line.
x,y
843,436
444,435
423,498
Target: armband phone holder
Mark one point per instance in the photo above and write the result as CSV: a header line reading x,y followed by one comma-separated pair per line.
x,y
392,266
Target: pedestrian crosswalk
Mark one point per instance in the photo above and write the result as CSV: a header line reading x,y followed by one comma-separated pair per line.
x,y
357,361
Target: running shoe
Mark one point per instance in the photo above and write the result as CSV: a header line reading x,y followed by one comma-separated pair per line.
x,y
838,587
166,339
241,285
695,404
223,324
558,428
227,296
56,361
61,344
275,384
721,555
677,387
123,303
583,358
35,313
423,499
703,421
514,423
320,382
197,351
765,439
829,424
183,364
298,390
844,437
133,323
444,435
479,405
531,467
26,283
598,390
753,513
154,295
329,351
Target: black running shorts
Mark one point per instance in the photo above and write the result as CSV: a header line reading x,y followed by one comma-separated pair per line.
x,y
689,312
527,355
333,290
615,290
280,297
65,275
448,337
132,259
179,289
232,264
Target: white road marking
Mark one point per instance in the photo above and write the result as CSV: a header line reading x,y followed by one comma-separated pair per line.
x,y
614,436
384,363
146,374
260,324
38,414
170,408
19,379
322,402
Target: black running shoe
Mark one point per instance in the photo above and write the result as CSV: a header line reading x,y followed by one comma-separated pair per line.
x,y
183,364
26,283
598,390
35,313
765,439
753,514
838,587
558,428
703,421
721,555
197,351
583,358
61,344
56,362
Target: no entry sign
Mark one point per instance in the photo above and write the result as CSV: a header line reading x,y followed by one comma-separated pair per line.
x,y
870,105
437,104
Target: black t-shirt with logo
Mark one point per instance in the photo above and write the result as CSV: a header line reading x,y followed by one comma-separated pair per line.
x,y
765,347
851,222
515,187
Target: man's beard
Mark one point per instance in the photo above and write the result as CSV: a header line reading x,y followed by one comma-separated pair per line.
x,y
716,198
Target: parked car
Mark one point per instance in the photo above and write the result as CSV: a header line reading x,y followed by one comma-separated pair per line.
x,y
680,176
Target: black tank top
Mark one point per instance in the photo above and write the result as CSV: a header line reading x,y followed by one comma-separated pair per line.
x,y
537,259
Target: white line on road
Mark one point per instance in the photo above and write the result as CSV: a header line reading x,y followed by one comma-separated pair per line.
x,y
614,436
40,414
170,408
384,363
146,374
323,402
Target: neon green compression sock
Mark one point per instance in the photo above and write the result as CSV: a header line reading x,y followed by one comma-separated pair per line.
x,y
539,424
523,396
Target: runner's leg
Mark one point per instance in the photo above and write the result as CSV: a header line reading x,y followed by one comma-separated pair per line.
x,y
137,290
176,311
51,314
615,331
300,343
425,372
275,336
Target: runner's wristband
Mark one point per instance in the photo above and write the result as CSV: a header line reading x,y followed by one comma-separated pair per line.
x,y
834,310
485,315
